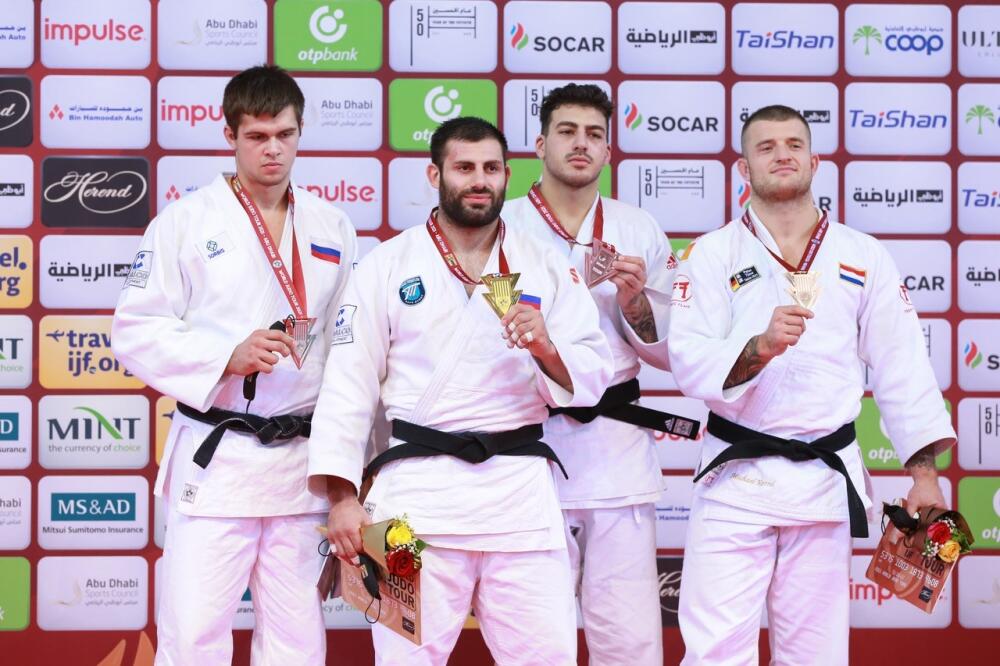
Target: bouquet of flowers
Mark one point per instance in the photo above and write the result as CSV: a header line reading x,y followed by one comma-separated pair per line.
x,y
402,548
945,540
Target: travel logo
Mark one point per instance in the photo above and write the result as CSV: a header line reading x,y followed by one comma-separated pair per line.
x,y
818,102
75,353
114,34
15,513
979,284
93,593
671,117
16,267
15,593
978,197
682,195
799,42
16,118
15,351
435,31
93,432
341,114
979,40
979,107
93,512
979,502
95,112
225,34
580,42
897,40
352,184
190,112
898,197
17,34
95,192
329,36
978,354
897,118
439,100
693,35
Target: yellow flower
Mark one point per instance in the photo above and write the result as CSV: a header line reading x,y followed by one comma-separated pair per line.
x,y
399,534
949,551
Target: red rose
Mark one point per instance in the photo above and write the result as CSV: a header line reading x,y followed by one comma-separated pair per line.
x,y
400,562
939,532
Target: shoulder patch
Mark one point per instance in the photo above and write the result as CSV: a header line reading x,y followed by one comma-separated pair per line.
x,y
138,275
742,277
412,291
343,326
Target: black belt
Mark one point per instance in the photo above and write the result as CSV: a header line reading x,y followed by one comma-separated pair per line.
x,y
748,444
270,431
473,447
616,403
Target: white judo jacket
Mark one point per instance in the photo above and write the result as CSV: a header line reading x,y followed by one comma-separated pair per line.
x,y
200,285
725,292
410,334
610,463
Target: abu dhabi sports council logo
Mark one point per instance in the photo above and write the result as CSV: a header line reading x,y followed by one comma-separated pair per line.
x,y
441,105
518,36
327,26
633,119
973,357
979,113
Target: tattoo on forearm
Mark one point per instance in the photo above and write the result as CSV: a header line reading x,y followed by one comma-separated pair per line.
x,y
641,320
924,458
747,366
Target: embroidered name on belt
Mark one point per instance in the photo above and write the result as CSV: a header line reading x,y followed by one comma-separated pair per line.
x,y
742,277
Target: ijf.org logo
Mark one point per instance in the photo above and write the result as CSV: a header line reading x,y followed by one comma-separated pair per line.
x,y
104,507
518,36
978,114
633,119
897,40
412,291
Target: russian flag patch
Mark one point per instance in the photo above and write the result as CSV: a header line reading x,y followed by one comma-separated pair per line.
x,y
325,253
531,301
852,275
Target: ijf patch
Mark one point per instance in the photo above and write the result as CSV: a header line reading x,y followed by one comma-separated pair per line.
x,y
742,277
852,275
216,246
412,291
325,251
189,493
343,331
138,275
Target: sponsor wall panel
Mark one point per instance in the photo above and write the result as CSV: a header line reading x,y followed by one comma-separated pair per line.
x,y
908,118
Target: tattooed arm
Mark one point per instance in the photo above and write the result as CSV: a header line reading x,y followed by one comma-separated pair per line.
x,y
748,365
787,324
640,317
925,491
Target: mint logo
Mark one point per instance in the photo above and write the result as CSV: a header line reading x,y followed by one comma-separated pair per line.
x,y
105,424
867,32
519,37
632,116
326,26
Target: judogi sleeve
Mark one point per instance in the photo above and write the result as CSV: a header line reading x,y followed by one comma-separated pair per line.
x,y
148,333
704,343
659,281
355,368
573,325
891,342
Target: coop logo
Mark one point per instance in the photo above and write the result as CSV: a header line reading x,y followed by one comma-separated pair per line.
x,y
633,119
978,114
103,507
896,119
110,31
327,26
518,36
782,39
441,105
898,40
973,357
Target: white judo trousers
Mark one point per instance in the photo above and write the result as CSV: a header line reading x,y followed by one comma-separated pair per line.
x,y
208,563
731,569
535,583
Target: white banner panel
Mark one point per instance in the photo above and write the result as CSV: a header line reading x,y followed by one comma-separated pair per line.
x,y
217,35
425,36
671,37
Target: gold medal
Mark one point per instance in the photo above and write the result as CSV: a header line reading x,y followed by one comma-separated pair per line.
x,y
804,288
598,263
502,294
301,332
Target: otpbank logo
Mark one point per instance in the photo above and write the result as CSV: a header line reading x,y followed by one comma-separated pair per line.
x,y
328,36
113,34
579,42
418,106
75,353
979,502
15,593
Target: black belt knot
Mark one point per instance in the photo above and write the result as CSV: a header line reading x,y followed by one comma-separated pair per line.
x,y
616,403
746,444
472,447
271,431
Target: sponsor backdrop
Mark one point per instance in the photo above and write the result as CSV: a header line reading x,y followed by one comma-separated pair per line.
x,y
110,110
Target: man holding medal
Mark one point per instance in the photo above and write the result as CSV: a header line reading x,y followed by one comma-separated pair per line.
x,y
773,319
624,258
229,308
468,331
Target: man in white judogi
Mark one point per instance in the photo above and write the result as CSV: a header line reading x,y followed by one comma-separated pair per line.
x,y
457,378
614,471
772,317
214,270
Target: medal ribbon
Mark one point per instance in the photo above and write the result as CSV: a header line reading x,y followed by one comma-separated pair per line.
x,y
450,260
543,208
294,288
812,248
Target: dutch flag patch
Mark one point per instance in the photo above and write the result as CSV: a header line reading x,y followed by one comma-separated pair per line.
x,y
852,275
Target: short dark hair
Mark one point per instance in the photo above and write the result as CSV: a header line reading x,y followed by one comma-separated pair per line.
x,y
464,128
775,112
265,90
574,94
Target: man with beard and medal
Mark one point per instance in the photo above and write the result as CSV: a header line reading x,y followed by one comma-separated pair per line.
x,y
468,331
609,451
775,318
229,308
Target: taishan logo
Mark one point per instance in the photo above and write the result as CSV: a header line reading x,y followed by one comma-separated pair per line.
x,y
897,118
84,32
973,357
979,113
519,37
633,119
782,39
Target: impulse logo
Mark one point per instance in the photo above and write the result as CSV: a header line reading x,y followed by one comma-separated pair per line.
x,y
84,32
973,357
979,113
118,507
897,119
192,114
632,116
519,37
782,39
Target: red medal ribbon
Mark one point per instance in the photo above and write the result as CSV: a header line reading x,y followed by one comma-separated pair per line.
x,y
543,208
294,288
450,260
812,248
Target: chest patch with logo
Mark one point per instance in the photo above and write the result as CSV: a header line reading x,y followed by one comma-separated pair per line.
x,y
743,276
216,246
412,291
